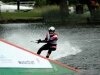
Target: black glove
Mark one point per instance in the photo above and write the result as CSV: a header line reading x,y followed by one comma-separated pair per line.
x,y
38,41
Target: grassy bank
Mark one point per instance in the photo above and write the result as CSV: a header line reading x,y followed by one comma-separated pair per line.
x,y
35,14
49,14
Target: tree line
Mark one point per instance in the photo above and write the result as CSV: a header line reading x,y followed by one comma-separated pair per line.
x,y
92,4
46,2
43,2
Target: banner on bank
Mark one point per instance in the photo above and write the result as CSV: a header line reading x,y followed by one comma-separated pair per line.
x,y
14,57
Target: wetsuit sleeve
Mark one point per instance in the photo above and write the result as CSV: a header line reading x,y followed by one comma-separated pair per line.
x,y
45,40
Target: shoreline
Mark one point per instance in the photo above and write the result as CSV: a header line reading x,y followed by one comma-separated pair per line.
x,y
30,20
40,19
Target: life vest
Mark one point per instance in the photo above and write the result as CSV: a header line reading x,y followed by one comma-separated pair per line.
x,y
51,39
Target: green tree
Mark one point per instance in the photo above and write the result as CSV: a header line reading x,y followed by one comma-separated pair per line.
x,y
40,2
54,1
63,11
73,1
8,0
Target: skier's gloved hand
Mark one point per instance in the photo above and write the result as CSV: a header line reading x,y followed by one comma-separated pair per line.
x,y
38,41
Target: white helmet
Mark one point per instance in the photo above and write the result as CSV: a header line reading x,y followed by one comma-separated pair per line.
x,y
51,29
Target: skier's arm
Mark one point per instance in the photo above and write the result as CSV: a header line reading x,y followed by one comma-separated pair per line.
x,y
41,41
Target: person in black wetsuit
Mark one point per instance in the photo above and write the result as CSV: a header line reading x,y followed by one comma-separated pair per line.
x,y
50,40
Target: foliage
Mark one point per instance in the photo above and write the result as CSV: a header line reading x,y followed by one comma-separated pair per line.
x,y
7,0
45,2
73,1
37,12
40,2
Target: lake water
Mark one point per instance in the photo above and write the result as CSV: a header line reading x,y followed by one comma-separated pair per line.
x,y
70,40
